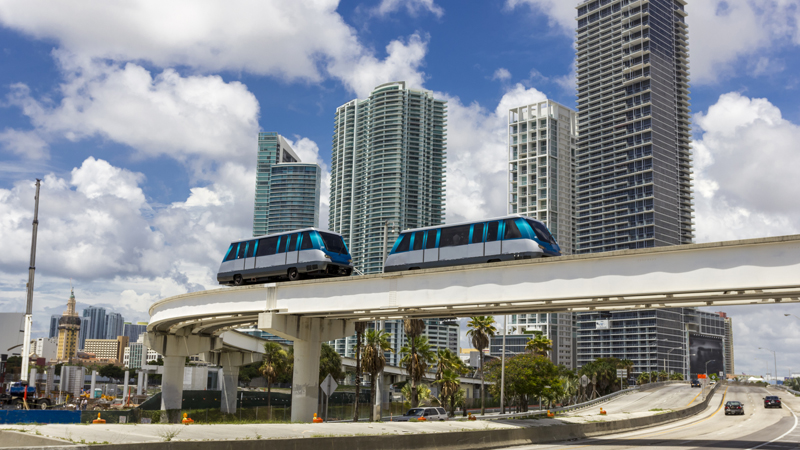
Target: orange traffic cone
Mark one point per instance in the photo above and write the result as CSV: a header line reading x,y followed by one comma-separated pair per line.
x,y
317,419
98,420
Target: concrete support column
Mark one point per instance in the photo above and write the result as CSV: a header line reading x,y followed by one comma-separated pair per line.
x,y
144,382
172,389
308,335
125,387
230,384
139,379
93,384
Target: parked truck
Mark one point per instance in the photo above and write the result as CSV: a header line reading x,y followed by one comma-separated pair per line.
x,y
14,394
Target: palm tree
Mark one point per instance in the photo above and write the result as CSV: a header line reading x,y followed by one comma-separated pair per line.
x,y
360,328
449,384
448,368
539,345
274,365
676,376
481,329
417,356
374,360
413,329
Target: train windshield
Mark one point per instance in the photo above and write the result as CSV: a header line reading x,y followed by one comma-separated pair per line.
x,y
334,243
541,232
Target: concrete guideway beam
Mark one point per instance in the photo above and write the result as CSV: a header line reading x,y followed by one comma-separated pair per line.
x,y
308,334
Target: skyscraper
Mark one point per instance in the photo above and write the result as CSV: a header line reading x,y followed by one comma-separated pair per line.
x,y
287,191
387,166
114,325
68,327
541,143
97,328
85,331
730,368
132,331
53,326
634,187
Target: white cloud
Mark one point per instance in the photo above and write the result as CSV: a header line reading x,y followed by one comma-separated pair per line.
x,y
26,144
300,40
721,32
477,155
413,7
745,170
501,74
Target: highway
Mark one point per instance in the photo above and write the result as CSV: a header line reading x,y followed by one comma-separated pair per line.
x,y
639,404
758,428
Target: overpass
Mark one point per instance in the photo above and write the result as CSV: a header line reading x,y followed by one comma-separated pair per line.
x,y
755,271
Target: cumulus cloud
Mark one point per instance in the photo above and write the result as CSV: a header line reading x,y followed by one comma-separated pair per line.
x,y
413,7
722,32
501,74
477,155
745,170
301,40
26,144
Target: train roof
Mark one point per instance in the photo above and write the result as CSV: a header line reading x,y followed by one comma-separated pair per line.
x,y
285,233
510,216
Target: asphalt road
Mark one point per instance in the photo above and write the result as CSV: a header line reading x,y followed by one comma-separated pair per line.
x,y
758,428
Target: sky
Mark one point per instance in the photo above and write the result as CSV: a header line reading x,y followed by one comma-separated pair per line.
x,y
141,117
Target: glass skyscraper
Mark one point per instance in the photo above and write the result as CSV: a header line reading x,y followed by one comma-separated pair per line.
x,y
387,165
634,161
287,191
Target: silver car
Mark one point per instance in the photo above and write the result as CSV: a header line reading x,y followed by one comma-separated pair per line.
x,y
430,413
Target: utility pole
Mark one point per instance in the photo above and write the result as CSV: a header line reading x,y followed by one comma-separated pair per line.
x,y
503,367
26,344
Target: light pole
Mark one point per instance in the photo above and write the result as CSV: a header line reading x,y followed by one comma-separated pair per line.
x,y
385,239
787,315
775,357
503,367
704,389
666,369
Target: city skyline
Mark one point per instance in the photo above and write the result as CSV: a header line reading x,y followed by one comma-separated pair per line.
x,y
163,192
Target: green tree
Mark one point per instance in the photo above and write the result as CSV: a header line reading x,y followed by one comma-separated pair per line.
x,y
111,371
249,371
449,384
413,329
272,367
377,345
14,364
539,345
676,376
528,376
423,394
481,330
605,371
330,363
416,356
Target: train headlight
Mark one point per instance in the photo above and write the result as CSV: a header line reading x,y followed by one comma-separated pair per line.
x,y
541,247
328,256
349,261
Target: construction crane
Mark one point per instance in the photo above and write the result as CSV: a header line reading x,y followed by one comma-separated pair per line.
x,y
26,343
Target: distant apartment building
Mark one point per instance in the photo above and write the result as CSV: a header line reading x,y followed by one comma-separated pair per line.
x,y
96,329
85,331
541,145
53,326
114,325
103,349
558,327
46,348
132,355
133,331
730,367
287,190
387,172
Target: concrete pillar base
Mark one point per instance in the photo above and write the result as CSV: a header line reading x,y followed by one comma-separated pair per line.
x,y
172,389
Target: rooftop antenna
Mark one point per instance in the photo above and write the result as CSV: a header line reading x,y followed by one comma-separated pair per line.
x,y
26,343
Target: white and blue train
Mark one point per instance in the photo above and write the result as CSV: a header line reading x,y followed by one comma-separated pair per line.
x,y
501,239
292,255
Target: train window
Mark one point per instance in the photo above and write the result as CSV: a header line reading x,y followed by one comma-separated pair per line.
x,y
541,232
418,240
454,236
291,246
404,242
334,243
251,249
242,248
306,244
231,255
477,233
491,232
267,246
282,244
512,231
431,242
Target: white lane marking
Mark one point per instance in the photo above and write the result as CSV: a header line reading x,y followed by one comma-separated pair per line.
x,y
784,434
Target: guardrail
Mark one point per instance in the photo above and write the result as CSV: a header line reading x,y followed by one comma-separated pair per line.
x,y
788,390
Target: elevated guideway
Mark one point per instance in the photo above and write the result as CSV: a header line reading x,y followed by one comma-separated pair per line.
x,y
756,271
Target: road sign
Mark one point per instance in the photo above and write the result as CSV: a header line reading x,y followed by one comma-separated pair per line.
x,y
622,373
329,385
701,375
721,374
584,381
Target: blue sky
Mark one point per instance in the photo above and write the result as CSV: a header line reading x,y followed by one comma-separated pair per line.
x,y
143,121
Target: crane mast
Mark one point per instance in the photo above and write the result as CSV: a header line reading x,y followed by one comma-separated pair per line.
x,y
26,343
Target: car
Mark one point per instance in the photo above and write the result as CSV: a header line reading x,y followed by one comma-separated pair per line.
x,y
429,413
772,401
733,408
712,382
696,383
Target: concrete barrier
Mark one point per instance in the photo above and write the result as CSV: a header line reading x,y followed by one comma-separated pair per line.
x,y
13,439
462,440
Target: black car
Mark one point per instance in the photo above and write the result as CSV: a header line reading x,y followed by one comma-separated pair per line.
x,y
734,407
695,383
772,401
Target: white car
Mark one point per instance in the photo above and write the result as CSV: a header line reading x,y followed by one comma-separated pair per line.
x,y
430,413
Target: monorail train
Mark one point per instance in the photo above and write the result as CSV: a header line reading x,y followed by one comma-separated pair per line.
x,y
292,255
502,239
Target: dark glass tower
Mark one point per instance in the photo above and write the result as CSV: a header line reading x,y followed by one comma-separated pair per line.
x,y
634,186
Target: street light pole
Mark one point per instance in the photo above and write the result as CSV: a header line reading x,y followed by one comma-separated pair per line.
x,y
775,357
787,315
704,389
666,369
503,367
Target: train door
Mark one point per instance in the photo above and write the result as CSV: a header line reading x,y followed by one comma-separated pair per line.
x,y
280,258
493,246
307,253
291,250
475,247
416,255
250,255
431,251
240,256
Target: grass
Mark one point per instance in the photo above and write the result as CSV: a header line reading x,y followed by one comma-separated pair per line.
x,y
656,410
170,433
